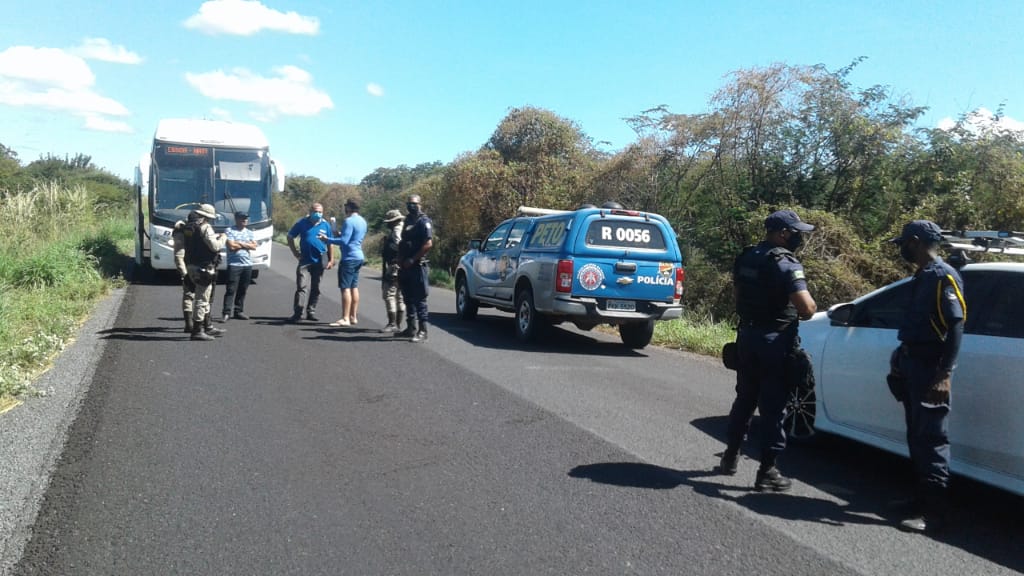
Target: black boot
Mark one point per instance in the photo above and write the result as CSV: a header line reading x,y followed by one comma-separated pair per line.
x,y
770,479
208,326
188,322
199,334
410,329
729,463
391,327
421,334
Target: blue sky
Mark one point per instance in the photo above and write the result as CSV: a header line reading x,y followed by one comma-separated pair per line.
x,y
341,88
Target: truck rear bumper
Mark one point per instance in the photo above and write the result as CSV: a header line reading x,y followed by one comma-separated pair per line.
x,y
593,309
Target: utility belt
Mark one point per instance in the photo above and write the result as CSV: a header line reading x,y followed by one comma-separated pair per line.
x,y
769,326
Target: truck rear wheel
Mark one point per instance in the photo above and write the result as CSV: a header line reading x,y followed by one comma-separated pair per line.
x,y
637,335
528,321
465,306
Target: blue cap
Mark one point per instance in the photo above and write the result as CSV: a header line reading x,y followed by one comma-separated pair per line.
x,y
784,219
922,229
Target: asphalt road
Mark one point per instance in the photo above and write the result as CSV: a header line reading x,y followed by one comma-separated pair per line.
x,y
300,449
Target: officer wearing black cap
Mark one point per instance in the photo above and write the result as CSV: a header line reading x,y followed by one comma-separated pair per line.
x,y
930,343
413,274
771,295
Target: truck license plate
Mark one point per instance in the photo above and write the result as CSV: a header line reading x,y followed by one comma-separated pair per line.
x,y
621,305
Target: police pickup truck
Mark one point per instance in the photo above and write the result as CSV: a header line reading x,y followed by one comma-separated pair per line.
x,y
589,266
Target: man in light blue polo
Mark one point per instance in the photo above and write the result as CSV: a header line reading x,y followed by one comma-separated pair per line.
x,y
350,238
239,243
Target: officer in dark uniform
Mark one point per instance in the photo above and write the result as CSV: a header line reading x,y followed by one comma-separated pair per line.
x,y
414,274
771,294
930,343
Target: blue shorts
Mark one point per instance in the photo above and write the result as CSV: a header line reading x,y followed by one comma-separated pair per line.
x,y
348,273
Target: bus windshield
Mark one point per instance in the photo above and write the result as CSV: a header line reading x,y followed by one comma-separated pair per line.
x,y
231,180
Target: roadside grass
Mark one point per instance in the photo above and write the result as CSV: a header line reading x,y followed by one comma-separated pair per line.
x,y
58,255
694,334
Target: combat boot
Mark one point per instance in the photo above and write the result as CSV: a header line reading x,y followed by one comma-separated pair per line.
x,y
199,334
391,327
410,329
209,329
729,463
188,322
421,334
771,480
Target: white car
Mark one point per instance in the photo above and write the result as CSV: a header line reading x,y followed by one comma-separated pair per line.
x,y
850,347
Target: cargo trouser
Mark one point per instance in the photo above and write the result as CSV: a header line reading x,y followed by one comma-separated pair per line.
x,y
927,428
204,279
415,285
392,294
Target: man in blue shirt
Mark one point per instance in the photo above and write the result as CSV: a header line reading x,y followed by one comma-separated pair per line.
x,y
240,241
350,238
312,261
930,337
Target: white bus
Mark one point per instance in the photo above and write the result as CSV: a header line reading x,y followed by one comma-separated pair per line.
x,y
197,162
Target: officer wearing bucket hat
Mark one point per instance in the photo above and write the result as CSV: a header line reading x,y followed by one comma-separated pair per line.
x,y
202,255
771,294
930,336
394,304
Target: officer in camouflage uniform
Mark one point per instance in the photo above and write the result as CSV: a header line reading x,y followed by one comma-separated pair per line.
x,y
393,301
202,254
771,294
188,288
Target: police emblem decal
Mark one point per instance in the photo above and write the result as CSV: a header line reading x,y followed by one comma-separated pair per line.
x,y
590,276
665,268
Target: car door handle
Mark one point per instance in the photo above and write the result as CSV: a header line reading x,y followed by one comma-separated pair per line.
x,y
625,267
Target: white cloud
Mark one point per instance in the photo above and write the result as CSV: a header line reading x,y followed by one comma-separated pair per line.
x,y
374,89
220,113
53,79
983,119
101,124
247,17
290,93
102,49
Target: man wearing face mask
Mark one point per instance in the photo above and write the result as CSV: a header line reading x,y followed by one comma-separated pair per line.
x,y
314,257
771,295
413,273
930,337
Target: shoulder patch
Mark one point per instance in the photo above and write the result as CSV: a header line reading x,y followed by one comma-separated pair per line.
x,y
797,274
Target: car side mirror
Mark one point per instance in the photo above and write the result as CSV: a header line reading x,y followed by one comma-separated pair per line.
x,y
840,315
474,244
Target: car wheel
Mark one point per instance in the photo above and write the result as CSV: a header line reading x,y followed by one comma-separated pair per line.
x,y
636,335
528,322
465,306
799,418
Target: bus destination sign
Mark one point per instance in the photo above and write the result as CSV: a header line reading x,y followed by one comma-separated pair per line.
x,y
188,150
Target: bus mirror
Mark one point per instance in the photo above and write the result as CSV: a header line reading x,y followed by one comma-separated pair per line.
x,y
277,174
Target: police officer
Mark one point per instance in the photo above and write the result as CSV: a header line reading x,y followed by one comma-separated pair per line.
x,y
393,301
414,274
771,294
188,288
202,254
930,337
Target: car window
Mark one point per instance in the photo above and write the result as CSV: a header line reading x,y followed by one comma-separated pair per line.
x,y
977,287
883,310
999,312
548,234
612,233
516,235
496,240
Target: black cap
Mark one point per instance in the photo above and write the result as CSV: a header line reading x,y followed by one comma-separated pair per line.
x,y
241,215
784,219
925,230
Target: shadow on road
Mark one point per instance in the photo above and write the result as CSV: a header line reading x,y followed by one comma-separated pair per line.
x,y
144,333
649,476
986,520
498,332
